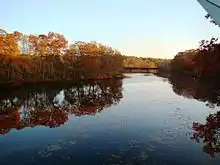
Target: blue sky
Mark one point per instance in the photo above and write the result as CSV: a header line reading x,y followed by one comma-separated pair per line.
x,y
149,28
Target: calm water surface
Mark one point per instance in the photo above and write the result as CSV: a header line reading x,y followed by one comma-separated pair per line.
x,y
145,119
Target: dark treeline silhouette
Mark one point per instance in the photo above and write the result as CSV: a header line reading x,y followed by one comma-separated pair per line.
x,y
43,106
48,57
203,62
208,92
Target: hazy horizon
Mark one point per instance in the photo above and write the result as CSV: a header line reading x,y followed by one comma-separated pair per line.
x,y
158,29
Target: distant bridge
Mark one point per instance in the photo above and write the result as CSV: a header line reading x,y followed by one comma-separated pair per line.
x,y
130,69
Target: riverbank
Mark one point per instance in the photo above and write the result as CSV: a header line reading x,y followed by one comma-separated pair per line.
x,y
66,81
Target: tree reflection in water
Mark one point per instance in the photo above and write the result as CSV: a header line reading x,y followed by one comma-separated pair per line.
x,y
209,134
50,106
205,91
208,92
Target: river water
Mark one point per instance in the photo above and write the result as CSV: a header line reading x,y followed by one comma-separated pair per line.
x,y
145,119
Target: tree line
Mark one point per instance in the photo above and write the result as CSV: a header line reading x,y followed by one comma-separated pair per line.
x,y
202,62
49,57
142,62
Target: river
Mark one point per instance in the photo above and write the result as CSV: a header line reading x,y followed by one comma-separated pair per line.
x,y
145,119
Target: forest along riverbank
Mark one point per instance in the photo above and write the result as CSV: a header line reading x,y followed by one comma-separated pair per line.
x,y
145,119
49,58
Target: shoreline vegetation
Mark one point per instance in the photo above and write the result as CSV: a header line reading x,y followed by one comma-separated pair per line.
x,y
30,59
202,63
47,58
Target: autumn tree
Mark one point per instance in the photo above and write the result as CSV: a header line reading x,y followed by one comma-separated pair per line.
x,y
183,62
51,44
208,58
88,48
139,62
36,58
8,43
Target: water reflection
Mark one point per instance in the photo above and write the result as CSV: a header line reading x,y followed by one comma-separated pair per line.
x,y
50,105
206,91
209,134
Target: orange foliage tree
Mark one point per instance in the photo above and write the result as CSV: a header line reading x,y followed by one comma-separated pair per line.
x,y
51,44
8,43
40,58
